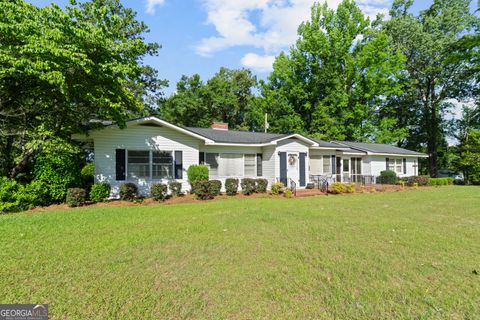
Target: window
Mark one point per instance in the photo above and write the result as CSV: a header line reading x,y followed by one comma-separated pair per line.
x,y
231,165
162,165
249,164
345,165
259,165
315,164
138,164
395,164
211,160
327,165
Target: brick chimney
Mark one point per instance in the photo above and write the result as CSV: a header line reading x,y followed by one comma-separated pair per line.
x,y
220,126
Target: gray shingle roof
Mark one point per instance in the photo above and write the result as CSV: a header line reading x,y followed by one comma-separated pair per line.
x,y
228,136
379,148
326,144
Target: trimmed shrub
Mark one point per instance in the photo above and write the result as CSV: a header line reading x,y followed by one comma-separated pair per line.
x,y
337,188
419,180
76,197
288,193
87,176
159,191
100,192
197,172
261,185
128,191
175,188
350,188
58,171
215,186
387,177
440,181
277,188
231,186
205,190
248,186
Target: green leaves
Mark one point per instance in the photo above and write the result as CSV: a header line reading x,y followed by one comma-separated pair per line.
x,y
59,69
336,77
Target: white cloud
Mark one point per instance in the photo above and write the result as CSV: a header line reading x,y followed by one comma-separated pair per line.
x,y
257,62
151,4
268,25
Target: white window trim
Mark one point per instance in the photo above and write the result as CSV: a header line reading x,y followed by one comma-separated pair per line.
x,y
243,175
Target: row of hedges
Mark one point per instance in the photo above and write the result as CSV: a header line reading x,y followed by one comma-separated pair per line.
x,y
440,181
390,177
338,187
208,189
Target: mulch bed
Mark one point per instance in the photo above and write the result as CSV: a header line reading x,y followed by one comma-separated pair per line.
x,y
189,198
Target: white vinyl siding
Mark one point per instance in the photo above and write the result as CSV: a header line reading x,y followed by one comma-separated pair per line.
x,y
140,138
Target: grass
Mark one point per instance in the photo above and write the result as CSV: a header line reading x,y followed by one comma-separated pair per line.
x,y
402,255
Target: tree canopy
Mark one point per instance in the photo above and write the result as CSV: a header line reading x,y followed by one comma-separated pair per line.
x,y
61,68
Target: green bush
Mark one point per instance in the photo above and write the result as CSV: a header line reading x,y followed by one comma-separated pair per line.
x,y
288,193
17,197
216,186
231,186
58,171
197,172
337,188
205,190
175,188
128,191
440,181
419,180
387,177
248,186
277,188
261,185
159,191
350,188
87,176
100,191
76,197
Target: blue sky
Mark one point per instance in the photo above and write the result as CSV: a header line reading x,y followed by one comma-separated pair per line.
x,y
200,36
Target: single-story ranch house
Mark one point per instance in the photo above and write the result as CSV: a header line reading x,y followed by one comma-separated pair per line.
x,y
151,150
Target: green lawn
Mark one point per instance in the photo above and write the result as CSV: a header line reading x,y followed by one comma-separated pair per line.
x,y
403,255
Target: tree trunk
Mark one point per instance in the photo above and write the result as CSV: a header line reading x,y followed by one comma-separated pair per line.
x,y
22,164
433,133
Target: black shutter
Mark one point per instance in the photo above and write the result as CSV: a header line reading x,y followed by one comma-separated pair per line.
x,y
178,165
283,167
259,165
120,155
404,165
334,165
302,170
387,162
201,157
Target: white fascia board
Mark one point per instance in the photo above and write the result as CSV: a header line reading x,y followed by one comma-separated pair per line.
x,y
157,121
298,136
